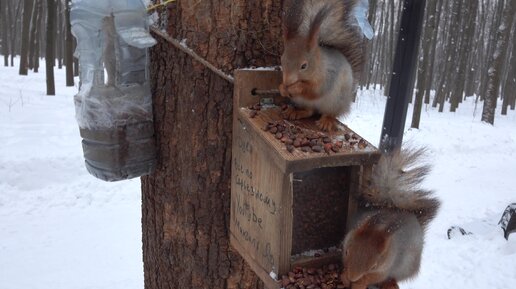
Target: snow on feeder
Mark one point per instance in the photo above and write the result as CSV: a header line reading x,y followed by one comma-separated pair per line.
x,y
114,103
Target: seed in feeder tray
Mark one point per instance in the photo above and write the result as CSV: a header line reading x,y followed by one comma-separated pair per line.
x,y
279,135
297,143
253,114
362,144
327,140
281,128
305,142
347,136
274,130
313,279
306,149
290,148
335,148
327,147
317,149
314,142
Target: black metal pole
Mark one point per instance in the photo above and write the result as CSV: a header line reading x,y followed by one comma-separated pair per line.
x,y
402,80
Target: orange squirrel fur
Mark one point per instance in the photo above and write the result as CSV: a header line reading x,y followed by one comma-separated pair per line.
x,y
322,52
386,243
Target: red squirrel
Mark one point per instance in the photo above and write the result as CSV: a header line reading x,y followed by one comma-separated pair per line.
x,y
322,52
386,242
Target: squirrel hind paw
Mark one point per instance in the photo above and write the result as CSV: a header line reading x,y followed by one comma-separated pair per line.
x,y
327,123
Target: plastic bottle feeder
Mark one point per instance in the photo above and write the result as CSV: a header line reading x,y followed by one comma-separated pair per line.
x,y
114,103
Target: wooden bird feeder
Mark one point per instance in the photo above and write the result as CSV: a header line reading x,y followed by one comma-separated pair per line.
x,y
288,208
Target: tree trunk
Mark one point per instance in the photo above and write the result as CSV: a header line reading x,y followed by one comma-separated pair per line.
x,y
75,60
491,41
5,44
423,76
59,35
467,35
495,68
186,202
27,14
13,20
68,47
34,37
50,47
37,39
431,58
510,82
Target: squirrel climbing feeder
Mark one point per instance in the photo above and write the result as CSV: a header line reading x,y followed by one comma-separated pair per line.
x,y
114,104
292,186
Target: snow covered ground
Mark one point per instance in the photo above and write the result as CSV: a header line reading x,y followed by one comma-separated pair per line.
x,y
61,228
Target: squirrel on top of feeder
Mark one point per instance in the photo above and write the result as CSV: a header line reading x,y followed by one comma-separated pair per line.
x,y
322,51
386,243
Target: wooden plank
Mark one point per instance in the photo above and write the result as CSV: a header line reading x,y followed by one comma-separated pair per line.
x,y
255,266
354,190
249,80
287,218
257,196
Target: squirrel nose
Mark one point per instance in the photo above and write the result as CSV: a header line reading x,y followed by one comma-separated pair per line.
x,y
289,80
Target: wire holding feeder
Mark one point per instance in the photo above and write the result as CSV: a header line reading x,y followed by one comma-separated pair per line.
x,y
156,6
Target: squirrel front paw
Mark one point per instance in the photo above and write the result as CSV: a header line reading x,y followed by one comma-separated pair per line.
x,y
389,284
292,113
283,90
327,123
344,279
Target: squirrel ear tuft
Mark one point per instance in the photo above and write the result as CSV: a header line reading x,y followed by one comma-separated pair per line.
x,y
315,26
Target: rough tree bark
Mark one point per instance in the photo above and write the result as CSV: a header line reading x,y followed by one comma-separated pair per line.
x,y
185,203
50,47
27,15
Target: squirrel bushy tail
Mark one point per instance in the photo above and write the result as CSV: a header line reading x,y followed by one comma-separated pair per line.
x,y
338,29
396,184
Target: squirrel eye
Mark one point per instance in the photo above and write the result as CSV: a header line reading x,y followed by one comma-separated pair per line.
x,y
304,65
